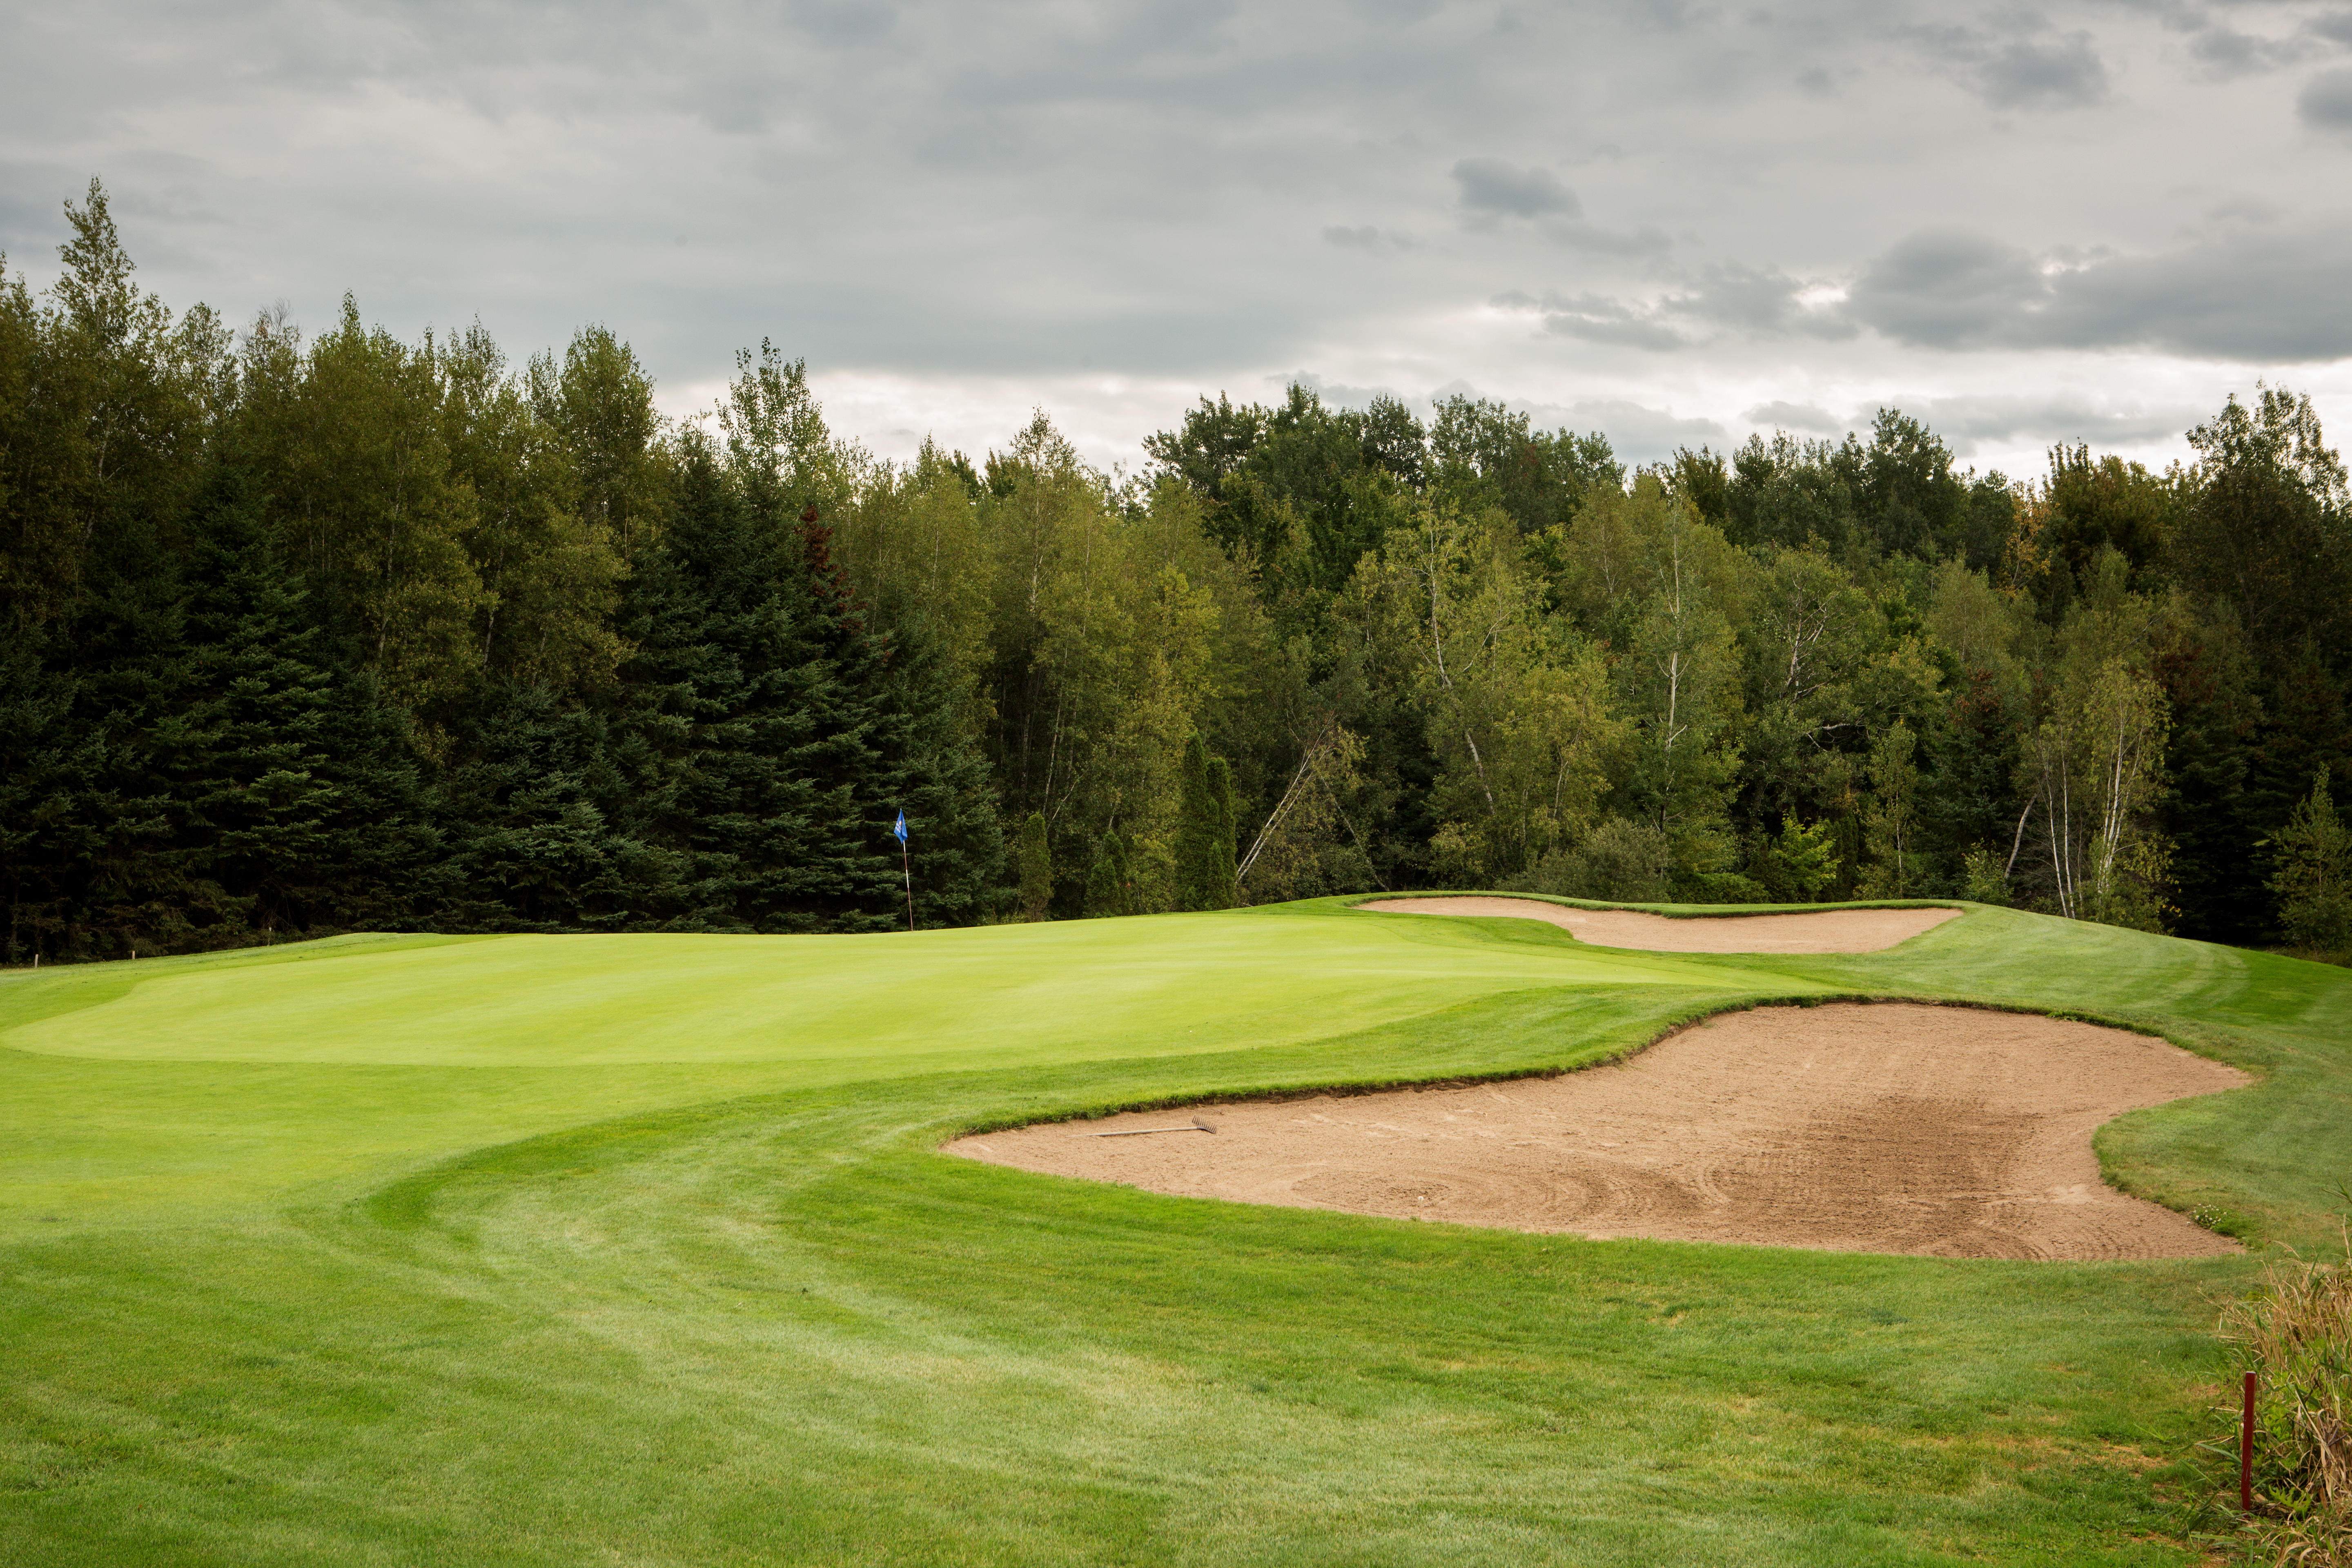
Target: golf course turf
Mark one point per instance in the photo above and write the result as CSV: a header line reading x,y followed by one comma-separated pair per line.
x,y
639,1250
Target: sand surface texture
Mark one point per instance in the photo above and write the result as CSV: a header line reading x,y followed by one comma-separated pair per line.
x,y
1890,1127
1822,931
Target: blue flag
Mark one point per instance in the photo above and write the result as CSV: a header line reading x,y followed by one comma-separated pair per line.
x,y
900,832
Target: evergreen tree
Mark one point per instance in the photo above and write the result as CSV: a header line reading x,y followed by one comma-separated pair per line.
x,y
1967,800
535,806
100,880
1222,893
934,767
1204,831
762,698
2207,810
34,702
1110,888
1036,868
2314,882
299,807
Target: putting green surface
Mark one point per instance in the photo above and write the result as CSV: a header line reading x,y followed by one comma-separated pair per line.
x,y
634,1249
928,1002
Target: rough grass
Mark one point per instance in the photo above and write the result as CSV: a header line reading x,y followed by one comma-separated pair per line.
x,y
2293,1333
541,1251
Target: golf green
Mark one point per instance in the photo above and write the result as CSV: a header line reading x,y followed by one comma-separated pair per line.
x,y
635,1249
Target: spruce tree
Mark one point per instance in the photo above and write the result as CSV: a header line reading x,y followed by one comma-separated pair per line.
x,y
1109,886
1036,870
769,727
761,695
1223,892
933,768
2314,882
1204,831
1196,831
299,806
34,702
533,808
98,881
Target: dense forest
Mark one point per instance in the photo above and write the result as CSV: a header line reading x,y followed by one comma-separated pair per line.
x,y
315,633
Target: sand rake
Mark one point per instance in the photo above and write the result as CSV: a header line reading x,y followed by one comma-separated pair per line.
x,y
1195,1125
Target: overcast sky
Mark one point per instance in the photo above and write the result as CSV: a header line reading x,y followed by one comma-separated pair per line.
x,y
1675,224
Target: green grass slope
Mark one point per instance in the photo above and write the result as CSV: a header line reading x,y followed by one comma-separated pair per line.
x,y
635,1250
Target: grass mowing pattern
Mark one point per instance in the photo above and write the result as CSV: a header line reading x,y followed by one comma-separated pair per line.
x,y
340,1254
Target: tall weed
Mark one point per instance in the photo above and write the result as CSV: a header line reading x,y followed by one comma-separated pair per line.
x,y
2295,1333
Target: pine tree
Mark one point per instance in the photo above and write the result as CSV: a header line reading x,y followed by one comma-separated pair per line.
x,y
935,768
34,702
533,806
97,879
1196,820
1110,888
1036,870
766,704
1222,893
299,806
2315,862
1205,830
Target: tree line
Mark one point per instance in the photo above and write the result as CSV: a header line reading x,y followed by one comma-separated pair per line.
x,y
309,633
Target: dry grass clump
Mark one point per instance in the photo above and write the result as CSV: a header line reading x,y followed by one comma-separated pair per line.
x,y
2296,1334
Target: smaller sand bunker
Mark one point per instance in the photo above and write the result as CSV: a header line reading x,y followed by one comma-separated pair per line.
x,y
1856,1127
1818,930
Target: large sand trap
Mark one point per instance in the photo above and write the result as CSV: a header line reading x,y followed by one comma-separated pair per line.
x,y
1890,1127
1819,931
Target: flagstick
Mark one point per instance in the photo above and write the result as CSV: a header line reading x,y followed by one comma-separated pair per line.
x,y
908,866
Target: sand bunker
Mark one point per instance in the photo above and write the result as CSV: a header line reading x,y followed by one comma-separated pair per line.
x,y
1821,930
1945,1132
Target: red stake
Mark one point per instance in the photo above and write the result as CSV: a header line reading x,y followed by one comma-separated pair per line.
x,y
2246,1451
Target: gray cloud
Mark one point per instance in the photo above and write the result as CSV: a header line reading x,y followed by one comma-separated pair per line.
x,y
1644,241
1597,319
2326,100
1492,189
1946,287
1763,301
1174,195
2067,74
1368,239
2271,294
2032,71
2245,209
2226,52
1723,298
2334,26
2257,289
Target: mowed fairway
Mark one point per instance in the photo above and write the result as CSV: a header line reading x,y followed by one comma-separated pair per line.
x,y
636,1250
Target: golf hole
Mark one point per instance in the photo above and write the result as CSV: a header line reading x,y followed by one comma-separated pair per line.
x,y
1880,1127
